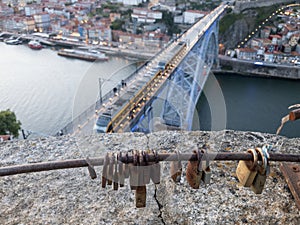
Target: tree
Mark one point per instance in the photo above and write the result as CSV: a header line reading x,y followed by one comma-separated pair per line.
x,y
9,123
117,24
168,19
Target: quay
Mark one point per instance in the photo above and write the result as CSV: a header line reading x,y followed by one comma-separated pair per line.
x,y
252,68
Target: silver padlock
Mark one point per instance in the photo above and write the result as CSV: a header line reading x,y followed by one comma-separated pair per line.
x,y
155,170
110,170
206,172
247,170
262,173
146,167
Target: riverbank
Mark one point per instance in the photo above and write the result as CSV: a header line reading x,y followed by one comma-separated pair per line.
x,y
71,197
257,69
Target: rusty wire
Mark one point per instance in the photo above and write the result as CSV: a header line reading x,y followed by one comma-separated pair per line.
x,y
77,163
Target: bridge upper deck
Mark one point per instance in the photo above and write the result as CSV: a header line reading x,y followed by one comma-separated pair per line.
x,y
157,71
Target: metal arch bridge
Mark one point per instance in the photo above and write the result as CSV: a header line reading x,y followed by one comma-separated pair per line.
x,y
183,68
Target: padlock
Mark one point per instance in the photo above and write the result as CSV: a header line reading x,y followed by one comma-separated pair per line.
x,y
261,176
126,167
140,169
91,169
155,170
194,172
116,175
146,167
176,169
110,170
120,170
104,171
133,172
140,196
155,173
206,172
247,170
126,170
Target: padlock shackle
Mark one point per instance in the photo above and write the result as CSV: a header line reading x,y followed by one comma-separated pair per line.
x,y
255,158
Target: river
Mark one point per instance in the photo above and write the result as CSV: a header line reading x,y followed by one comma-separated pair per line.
x,y
253,103
46,91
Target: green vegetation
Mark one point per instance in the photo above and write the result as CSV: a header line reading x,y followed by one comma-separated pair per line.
x,y
9,123
117,25
167,18
114,7
263,13
228,20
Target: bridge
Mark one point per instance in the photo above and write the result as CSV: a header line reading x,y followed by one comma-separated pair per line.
x,y
171,82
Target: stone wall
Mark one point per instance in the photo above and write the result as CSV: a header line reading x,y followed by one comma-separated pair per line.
x,y
71,197
248,68
242,5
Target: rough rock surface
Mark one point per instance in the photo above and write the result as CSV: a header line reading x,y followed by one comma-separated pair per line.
x,y
71,197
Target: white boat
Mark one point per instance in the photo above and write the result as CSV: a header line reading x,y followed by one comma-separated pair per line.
x,y
91,55
35,45
13,41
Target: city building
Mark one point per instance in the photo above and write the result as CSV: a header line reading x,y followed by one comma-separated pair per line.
x,y
42,22
191,16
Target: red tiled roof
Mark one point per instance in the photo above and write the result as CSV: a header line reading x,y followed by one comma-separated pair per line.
x,y
247,50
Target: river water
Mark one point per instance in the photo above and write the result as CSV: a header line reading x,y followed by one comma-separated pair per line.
x,y
46,91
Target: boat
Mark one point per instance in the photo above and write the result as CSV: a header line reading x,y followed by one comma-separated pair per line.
x,y
90,55
35,45
13,41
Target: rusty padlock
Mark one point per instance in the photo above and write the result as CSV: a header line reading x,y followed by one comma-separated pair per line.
x,y
140,168
104,171
176,169
121,170
247,170
155,170
206,172
126,167
140,196
91,169
262,172
116,174
194,171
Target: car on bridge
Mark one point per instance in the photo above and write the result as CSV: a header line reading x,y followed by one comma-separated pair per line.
x,y
102,122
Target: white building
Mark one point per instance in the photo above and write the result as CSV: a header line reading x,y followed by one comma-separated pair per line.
x,y
146,16
32,10
178,19
131,2
191,16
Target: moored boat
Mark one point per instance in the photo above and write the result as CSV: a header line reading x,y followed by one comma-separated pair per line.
x,y
84,55
35,45
13,41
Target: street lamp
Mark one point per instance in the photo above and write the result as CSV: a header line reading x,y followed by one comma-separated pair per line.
x,y
100,89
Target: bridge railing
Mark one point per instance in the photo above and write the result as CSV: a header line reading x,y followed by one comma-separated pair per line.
x,y
135,105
